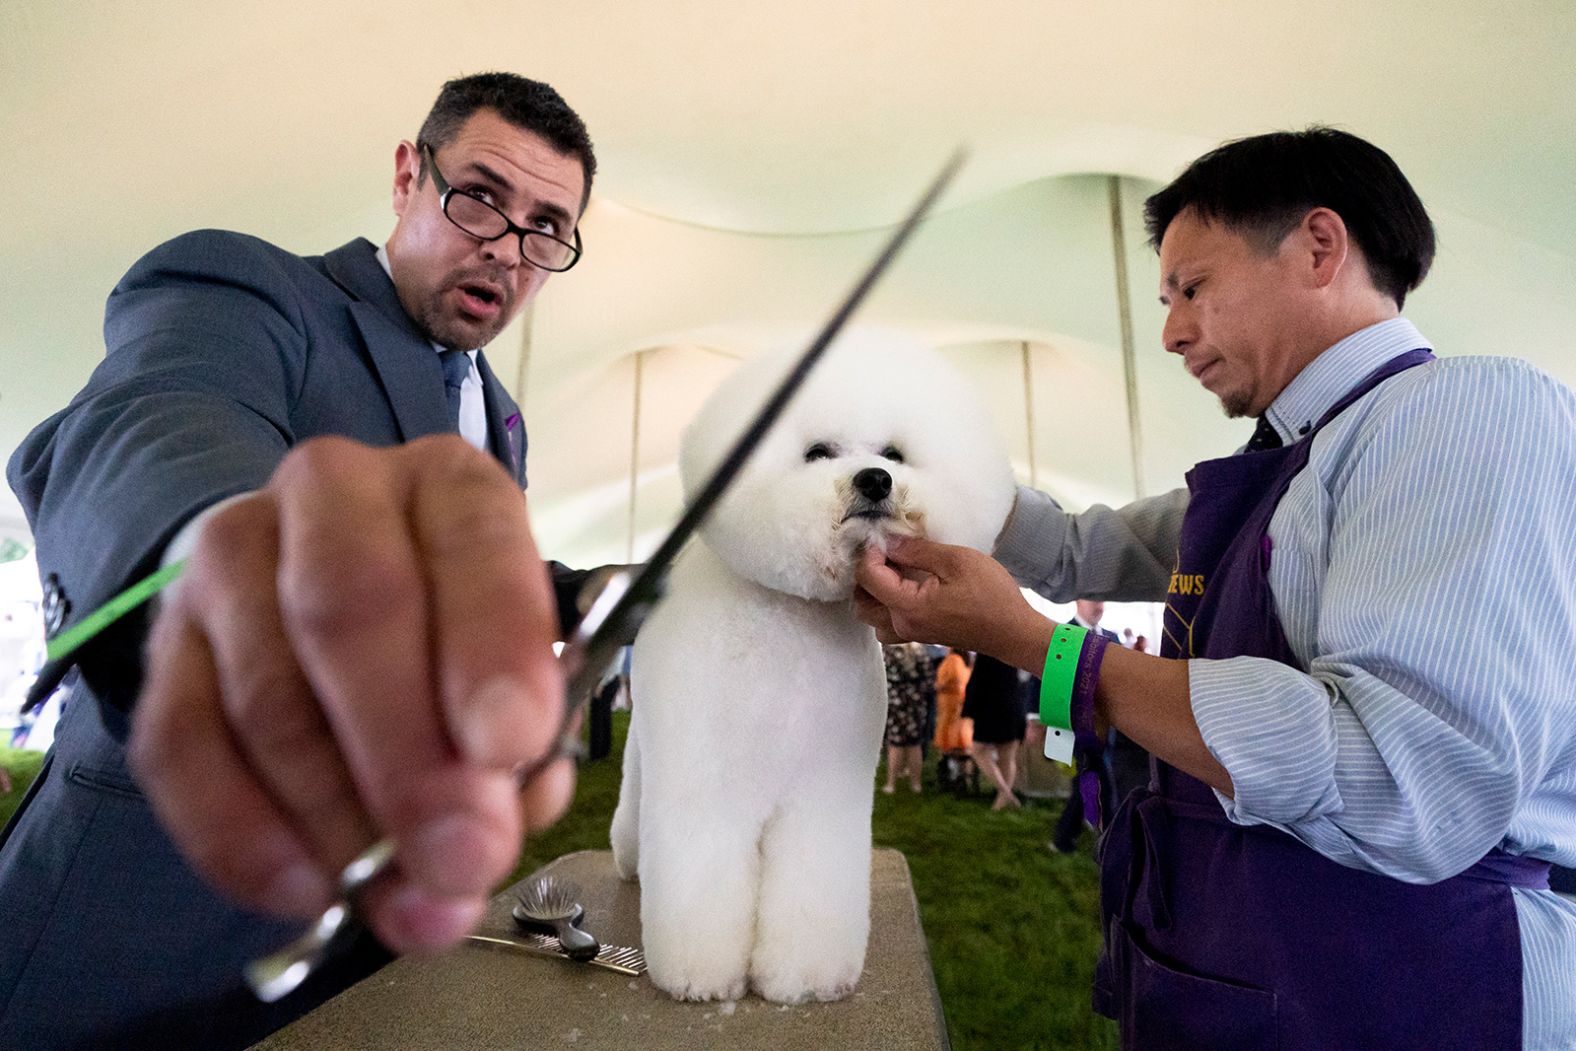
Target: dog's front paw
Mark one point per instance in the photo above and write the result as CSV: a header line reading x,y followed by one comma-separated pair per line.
x,y
697,983
626,862
696,960
796,973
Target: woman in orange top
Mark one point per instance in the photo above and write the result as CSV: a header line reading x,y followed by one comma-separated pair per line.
x,y
953,732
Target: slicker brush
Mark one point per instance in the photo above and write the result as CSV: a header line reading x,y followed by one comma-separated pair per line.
x,y
551,905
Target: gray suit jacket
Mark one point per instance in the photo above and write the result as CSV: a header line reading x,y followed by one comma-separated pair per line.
x,y
223,352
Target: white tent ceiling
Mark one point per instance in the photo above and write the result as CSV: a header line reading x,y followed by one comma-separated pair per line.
x,y
751,155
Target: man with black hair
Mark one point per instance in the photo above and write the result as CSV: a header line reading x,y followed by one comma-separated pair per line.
x,y
360,645
1359,790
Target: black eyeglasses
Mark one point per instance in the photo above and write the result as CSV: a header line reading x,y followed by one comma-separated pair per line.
x,y
481,220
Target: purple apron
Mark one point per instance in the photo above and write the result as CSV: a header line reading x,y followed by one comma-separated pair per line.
x,y
1221,937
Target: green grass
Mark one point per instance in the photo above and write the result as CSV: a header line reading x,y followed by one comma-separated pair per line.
x,y
22,767
1012,927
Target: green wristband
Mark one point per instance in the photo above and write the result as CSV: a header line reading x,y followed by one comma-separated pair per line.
x,y
1061,670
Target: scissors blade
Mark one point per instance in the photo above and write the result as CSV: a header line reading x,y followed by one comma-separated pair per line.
x,y
609,622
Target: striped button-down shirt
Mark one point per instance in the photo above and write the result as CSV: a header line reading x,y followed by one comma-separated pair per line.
x,y
1425,577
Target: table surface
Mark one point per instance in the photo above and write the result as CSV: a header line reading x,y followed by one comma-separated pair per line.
x,y
480,997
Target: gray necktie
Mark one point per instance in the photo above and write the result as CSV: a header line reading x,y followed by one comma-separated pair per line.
x,y
456,366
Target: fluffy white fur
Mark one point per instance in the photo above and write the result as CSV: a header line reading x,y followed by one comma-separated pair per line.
x,y
759,699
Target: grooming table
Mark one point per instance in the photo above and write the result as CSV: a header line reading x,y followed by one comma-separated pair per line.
x,y
477,997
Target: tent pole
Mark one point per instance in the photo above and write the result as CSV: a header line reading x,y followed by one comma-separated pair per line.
x,y
1124,307
523,365
1028,411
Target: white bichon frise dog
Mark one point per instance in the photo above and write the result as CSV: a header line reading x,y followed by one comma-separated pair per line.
x,y
759,699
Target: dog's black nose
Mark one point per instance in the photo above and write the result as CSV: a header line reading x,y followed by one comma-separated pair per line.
x,y
873,483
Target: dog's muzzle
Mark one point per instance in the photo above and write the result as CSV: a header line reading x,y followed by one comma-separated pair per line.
x,y
872,489
873,484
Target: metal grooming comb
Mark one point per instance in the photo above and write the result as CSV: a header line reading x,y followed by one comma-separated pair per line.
x,y
552,905
617,958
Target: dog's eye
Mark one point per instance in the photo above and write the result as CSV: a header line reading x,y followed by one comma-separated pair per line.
x,y
893,453
818,451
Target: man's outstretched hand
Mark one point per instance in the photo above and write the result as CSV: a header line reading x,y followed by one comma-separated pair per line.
x,y
360,650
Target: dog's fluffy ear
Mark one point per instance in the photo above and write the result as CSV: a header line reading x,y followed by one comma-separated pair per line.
x,y
725,414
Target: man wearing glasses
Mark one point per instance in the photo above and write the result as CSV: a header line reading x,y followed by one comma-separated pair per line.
x,y
359,646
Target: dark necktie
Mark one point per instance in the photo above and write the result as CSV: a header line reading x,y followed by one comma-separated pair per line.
x,y
1264,437
456,366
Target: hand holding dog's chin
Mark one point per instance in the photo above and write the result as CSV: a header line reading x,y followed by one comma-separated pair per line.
x,y
929,592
